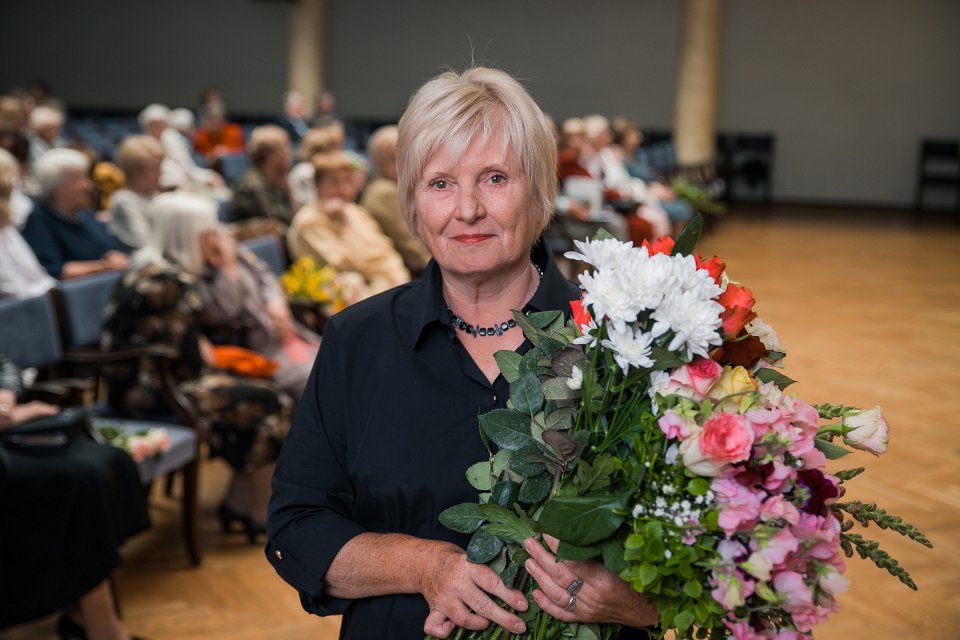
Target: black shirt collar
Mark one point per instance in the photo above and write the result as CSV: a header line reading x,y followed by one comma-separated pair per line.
x,y
554,293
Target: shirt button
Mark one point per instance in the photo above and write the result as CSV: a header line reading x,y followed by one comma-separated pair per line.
x,y
279,554
494,398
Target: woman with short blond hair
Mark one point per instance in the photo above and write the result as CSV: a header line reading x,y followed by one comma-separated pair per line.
x,y
140,158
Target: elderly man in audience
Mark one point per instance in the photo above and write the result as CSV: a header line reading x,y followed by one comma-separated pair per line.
x,y
46,127
140,159
179,170
381,200
62,229
337,232
20,273
294,116
263,191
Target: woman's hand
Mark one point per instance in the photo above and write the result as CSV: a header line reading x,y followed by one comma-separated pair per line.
x,y
459,595
602,596
278,311
12,413
219,249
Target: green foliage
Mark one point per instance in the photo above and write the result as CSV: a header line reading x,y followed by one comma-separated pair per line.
x,y
849,474
774,376
525,394
465,518
507,428
832,451
483,547
582,521
870,550
865,514
509,363
686,242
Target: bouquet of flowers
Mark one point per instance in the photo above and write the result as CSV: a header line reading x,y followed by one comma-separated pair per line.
x,y
653,433
142,445
305,280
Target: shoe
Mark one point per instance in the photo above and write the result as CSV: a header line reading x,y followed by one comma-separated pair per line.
x,y
68,629
228,517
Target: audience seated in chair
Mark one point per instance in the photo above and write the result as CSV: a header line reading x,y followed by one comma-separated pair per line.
x,y
294,118
140,159
62,230
46,127
337,232
179,170
381,200
65,508
216,136
238,289
159,302
303,184
20,273
263,191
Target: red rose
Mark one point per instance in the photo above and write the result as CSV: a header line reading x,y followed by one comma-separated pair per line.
x,y
737,309
580,315
663,244
714,266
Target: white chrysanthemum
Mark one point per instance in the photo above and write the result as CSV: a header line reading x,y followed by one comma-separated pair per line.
x,y
589,334
609,295
699,281
630,348
575,381
648,278
694,321
602,254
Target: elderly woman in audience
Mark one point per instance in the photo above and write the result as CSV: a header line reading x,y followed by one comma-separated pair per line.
x,y
216,136
337,232
46,126
62,230
381,200
64,511
140,159
20,273
179,170
263,191
303,185
238,288
160,301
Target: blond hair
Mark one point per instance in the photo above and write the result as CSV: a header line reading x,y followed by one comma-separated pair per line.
x,y
135,154
451,110
9,171
324,163
320,140
382,147
264,140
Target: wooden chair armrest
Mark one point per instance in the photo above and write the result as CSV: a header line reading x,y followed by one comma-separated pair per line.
x,y
120,354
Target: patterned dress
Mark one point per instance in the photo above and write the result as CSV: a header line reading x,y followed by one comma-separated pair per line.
x,y
245,419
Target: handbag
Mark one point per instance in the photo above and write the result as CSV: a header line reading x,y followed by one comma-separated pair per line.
x,y
48,431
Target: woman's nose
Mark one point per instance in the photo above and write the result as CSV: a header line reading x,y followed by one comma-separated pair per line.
x,y
469,206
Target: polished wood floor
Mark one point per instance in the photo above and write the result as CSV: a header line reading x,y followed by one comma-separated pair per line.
x,y
868,305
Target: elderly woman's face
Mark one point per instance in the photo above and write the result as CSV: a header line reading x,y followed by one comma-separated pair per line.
x,y
75,191
473,213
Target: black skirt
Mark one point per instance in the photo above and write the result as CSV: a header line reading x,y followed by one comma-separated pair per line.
x,y
64,512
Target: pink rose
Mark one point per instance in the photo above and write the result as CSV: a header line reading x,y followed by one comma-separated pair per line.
x,y
697,462
726,437
139,448
693,380
673,426
869,431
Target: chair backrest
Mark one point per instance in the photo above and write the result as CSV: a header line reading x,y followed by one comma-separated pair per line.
x,y
267,248
82,302
233,165
29,334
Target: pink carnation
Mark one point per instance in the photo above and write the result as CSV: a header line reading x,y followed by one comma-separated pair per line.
x,y
673,426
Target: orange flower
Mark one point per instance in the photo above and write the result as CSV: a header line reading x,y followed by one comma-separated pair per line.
x,y
663,244
580,315
714,266
737,309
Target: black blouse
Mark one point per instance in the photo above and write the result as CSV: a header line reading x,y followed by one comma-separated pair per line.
x,y
380,442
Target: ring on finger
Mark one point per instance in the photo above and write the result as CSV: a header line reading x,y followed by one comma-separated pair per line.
x,y
571,604
575,586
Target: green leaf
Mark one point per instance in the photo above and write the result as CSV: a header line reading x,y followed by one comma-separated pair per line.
x,y
686,242
505,525
648,573
698,487
684,619
567,551
484,547
774,376
478,475
531,331
501,461
509,363
527,461
557,389
561,419
465,518
581,521
541,319
526,395
613,556
586,632
505,493
551,346
566,359
832,451
535,489
509,429
692,589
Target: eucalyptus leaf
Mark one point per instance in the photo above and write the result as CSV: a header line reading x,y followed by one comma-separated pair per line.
x,y
505,493
581,521
479,476
692,589
509,363
525,394
686,242
465,518
567,551
507,428
832,451
774,376
558,389
535,489
484,547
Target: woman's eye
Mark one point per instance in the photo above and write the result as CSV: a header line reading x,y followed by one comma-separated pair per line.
x,y
439,184
498,178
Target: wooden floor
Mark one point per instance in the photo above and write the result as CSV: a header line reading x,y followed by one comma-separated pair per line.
x,y
868,305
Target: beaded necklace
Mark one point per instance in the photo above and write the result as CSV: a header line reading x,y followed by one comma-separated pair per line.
x,y
496,330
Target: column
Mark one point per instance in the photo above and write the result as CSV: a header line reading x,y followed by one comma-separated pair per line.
x,y
307,64
695,118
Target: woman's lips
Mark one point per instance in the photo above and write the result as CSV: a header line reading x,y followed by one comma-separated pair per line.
x,y
472,238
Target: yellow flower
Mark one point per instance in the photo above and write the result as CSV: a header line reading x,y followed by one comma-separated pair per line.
x,y
733,380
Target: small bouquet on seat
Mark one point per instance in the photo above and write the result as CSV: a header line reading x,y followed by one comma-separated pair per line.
x,y
307,281
653,433
141,445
